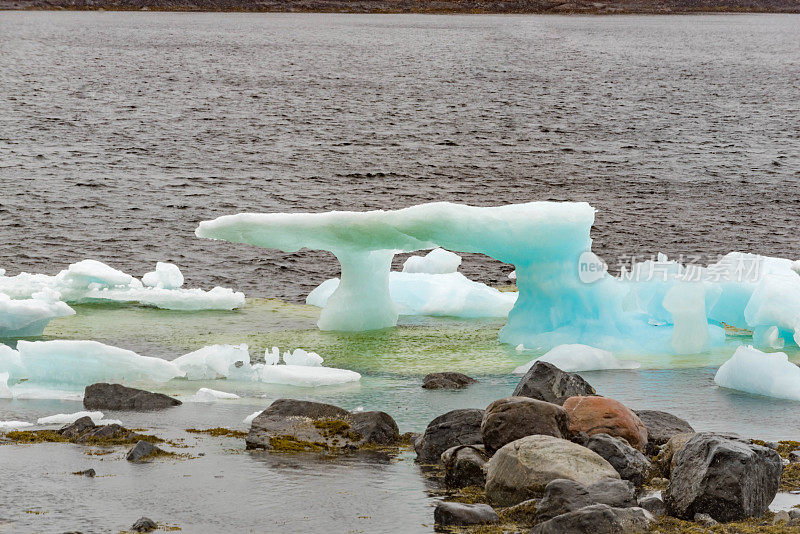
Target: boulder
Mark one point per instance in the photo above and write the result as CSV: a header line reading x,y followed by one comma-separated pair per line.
x,y
666,458
142,451
144,524
509,419
290,425
77,428
447,381
456,513
598,519
464,466
654,505
521,469
544,381
661,426
601,415
630,464
728,479
457,427
103,396
562,496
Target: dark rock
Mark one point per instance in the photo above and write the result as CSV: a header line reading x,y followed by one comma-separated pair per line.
x,y
794,513
654,505
456,513
144,524
562,496
103,396
729,479
142,451
545,381
457,427
294,425
661,426
794,456
666,458
630,464
598,519
509,419
78,427
86,473
464,466
447,381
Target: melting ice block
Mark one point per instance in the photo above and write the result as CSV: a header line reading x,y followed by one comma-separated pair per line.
x,y
301,357
213,362
93,281
305,376
211,395
753,371
437,261
69,418
29,317
575,358
14,425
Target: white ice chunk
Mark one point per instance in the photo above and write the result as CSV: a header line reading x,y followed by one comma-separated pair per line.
x,y
213,362
437,261
29,317
272,357
92,273
166,276
81,363
301,357
14,425
776,302
69,418
211,395
305,376
574,358
753,371
249,419
512,275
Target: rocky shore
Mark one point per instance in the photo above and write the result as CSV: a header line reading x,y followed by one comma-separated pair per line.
x,y
419,6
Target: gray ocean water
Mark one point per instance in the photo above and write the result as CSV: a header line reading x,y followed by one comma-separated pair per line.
x,y
120,131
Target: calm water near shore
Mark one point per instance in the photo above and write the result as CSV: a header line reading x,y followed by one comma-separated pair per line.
x,y
120,131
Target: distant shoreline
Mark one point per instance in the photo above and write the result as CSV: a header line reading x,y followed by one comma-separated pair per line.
x,y
441,7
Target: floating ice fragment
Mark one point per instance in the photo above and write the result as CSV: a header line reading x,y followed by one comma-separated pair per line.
x,y
211,395
301,357
753,371
69,418
272,357
166,276
575,358
305,376
29,317
249,418
14,425
213,361
437,261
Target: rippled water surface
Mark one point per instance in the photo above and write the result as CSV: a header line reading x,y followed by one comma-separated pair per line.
x,y
120,131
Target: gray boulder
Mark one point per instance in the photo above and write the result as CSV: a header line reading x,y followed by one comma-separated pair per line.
x,y
562,496
521,469
598,519
728,479
77,428
661,426
456,513
464,465
630,463
509,419
144,524
291,425
142,451
545,381
448,380
104,396
457,427
654,505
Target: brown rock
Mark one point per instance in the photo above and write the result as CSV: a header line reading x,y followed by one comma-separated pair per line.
x,y
509,419
598,415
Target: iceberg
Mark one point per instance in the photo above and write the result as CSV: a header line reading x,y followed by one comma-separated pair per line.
x,y
437,261
29,317
211,395
79,364
753,371
93,281
576,358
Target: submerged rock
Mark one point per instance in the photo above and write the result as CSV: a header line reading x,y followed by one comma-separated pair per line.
x,y
86,473
728,479
143,451
630,464
104,396
601,415
290,425
456,513
598,519
457,427
521,469
509,419
464,466
144,524
661,426
447,380
544,381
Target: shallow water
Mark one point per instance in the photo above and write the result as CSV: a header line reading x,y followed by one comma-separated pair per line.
x,y
120,131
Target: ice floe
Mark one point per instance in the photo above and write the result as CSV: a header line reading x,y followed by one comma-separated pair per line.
x,y
93,281
211,395
574,358
29,317
69,418
14,425
770,374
